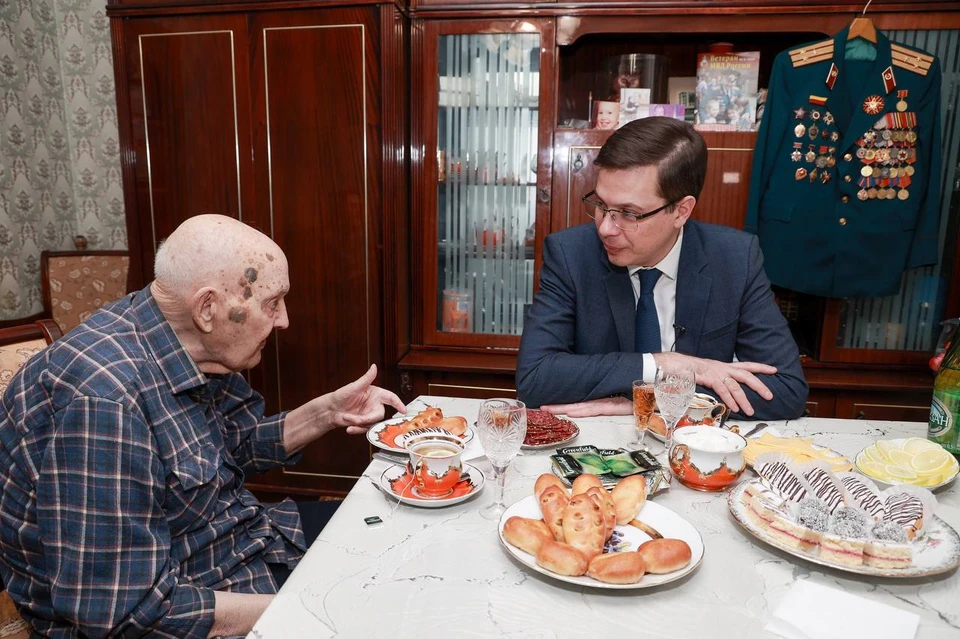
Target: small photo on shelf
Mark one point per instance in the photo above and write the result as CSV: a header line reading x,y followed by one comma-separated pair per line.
x,y
675,111
634,104
606,114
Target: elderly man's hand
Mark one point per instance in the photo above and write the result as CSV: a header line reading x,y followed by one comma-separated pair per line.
x,y
722,377
355,407
593,407
359,404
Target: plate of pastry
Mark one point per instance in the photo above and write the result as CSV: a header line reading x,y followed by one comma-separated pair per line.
x,y
397,482
593,537
842,521
390,434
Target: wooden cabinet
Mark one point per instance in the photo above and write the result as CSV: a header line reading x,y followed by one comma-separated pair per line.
x,y
839,338
293,121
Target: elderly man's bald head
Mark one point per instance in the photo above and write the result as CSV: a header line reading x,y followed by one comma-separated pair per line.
x,y
206,250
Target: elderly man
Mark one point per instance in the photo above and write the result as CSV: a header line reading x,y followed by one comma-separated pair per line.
x,y
126,443
647,286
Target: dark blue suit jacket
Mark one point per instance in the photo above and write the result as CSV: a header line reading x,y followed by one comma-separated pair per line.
x,y
578,337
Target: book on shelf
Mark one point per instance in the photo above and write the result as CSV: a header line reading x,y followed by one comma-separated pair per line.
x,y
727,91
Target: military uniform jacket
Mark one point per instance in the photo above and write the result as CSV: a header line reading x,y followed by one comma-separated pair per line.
x,y
844,193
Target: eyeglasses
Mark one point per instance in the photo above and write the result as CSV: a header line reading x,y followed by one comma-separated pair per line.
x,y
624,220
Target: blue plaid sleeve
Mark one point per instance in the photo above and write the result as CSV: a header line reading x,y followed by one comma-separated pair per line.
x,y
255,441
100,509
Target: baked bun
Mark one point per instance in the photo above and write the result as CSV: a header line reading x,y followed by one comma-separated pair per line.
x,y
607,509
657,425
546,480
664,555
526,534
562,559
629,495
584,482
553,502
617,568
453,425
583,526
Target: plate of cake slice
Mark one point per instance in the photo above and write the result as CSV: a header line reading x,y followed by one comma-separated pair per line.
x,y
842,521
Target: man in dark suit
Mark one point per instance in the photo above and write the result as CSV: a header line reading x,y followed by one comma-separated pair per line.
x,y
646,286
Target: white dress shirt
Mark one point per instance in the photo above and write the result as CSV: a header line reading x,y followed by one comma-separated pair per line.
x,y
665,299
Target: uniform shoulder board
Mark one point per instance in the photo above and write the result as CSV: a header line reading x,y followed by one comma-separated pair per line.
x,y
910,59
811,53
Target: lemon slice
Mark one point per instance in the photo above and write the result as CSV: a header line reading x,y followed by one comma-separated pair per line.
x,y
934,460
900,474
916,445
872,468
870,453
903,459
884,446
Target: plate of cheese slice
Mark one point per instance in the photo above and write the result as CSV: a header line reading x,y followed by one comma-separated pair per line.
x,y
800,449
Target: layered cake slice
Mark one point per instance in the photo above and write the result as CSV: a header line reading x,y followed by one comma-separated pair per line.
x,y
889,548
804,533
764,505
847,537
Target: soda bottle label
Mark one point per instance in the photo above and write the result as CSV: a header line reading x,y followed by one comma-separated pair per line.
x,y
941,419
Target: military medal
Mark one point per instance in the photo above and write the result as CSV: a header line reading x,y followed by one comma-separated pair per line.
x,y
910,170
800,113
872,193
862,195
796,155
825,177
911,137
813,131
810,156
828,118
903,194
814,115
873,105
866,171
869,137
800,174
813,176
799,130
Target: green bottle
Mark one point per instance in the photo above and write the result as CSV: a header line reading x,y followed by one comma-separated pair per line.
x,y
945,411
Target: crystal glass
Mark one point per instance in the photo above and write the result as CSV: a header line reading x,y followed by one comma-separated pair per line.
x,y
673,390
501,427
644,404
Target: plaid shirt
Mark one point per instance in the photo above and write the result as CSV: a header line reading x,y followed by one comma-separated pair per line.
x,y
122,507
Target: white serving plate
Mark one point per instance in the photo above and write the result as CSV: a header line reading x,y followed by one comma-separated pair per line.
x,y
937,551
883,484
396,471
665,521
374,431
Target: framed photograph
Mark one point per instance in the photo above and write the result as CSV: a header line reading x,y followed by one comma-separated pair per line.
x,y
634,104
675,111
606,114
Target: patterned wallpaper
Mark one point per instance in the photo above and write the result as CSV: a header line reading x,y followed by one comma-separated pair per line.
x,y
59,148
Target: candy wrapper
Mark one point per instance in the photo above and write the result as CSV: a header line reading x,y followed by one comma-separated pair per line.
x,y
609,465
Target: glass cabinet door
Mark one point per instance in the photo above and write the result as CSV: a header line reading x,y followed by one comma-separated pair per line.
x,y
487,145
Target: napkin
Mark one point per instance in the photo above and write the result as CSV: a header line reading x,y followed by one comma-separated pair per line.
x,y
812,611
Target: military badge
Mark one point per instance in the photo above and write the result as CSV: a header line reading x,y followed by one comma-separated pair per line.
x,y
873,105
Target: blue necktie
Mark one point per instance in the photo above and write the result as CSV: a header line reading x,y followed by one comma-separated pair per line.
x,y
647,339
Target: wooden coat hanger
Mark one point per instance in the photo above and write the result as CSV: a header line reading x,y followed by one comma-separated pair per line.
x,y
862,27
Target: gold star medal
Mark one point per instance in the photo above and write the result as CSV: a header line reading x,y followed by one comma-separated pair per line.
x,y
873,105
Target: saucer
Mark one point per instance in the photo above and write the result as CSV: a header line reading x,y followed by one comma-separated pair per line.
x,y
470,485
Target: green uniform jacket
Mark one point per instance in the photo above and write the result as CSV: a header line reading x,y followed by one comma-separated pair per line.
x,y
845,188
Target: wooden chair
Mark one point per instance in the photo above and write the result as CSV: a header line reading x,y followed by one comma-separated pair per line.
x,y
20,343
77,283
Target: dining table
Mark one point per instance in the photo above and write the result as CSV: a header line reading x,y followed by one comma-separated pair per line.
x,y
425,572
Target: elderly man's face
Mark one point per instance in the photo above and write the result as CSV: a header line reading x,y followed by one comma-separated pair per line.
x,y
254,306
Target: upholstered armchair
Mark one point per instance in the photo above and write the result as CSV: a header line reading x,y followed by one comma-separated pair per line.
x,y
77,283
20,343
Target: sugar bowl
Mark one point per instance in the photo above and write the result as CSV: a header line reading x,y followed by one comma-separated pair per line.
x,y
706,457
